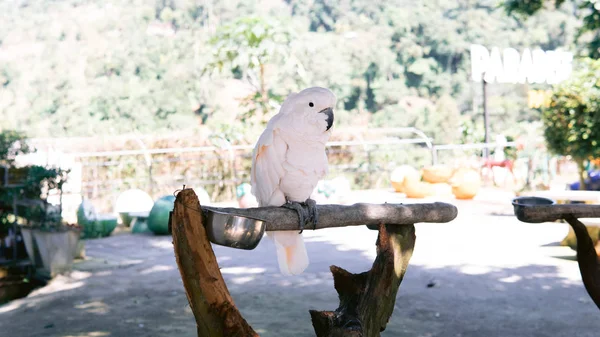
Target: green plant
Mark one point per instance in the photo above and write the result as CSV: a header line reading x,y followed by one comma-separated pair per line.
x,y
34,184
245,48
587,11
572,120
34,188
12,143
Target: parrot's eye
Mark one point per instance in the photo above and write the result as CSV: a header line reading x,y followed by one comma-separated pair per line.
x,y
311,104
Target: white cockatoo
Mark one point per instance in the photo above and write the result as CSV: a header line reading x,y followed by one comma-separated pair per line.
x,y
288,161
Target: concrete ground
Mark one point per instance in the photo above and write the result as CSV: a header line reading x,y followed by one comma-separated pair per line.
x,y
493,276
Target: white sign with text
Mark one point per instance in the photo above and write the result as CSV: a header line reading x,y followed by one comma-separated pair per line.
x,y
510,66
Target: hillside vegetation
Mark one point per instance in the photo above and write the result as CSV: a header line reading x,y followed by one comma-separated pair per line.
x,y
97,68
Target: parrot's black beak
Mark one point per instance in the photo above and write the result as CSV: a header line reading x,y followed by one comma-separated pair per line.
x,y
329,113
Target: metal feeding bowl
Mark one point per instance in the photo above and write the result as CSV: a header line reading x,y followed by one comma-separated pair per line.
x,y
520,203
531,201
233,231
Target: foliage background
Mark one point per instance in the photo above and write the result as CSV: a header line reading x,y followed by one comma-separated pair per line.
x,y
95,68
177,73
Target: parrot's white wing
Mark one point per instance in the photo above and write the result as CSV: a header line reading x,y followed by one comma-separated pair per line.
x,y
267,170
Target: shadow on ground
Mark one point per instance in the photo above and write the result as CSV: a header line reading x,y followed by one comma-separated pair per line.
x,y
131,287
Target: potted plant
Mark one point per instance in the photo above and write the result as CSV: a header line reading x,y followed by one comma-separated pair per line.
x,y
12,143
51,244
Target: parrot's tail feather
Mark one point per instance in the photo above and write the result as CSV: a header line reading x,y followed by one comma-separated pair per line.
x,y
291,251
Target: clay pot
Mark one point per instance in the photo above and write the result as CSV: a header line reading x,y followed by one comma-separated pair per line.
x,y
418,189
437,174
402,174
466,183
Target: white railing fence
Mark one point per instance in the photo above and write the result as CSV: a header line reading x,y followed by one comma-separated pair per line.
x,y
366,161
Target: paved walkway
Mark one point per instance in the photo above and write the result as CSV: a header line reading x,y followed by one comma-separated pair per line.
x,y
494,276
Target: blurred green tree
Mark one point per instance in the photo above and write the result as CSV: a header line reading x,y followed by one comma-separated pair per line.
x,y
587,10
245,48
572,120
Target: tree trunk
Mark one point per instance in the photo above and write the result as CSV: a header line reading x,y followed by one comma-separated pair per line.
x,y
264,97
530,168
215,313
367,299
582,173
587,258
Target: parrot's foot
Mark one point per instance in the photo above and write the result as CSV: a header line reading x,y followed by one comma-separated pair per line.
x,y
302,213
312,210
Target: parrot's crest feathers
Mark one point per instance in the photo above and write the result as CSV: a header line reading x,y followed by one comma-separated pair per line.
x,y
287,105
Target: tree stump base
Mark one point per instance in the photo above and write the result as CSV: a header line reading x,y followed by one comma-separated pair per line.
x,y
367,299
213,307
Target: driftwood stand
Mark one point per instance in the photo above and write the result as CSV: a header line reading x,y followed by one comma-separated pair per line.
x,y
366,299
529,211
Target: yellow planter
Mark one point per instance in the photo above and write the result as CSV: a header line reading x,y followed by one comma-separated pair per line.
x,y
398,186
437,174
402,174
466,183
418,189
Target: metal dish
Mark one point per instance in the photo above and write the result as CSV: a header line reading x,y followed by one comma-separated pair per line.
x,y
532,201
233,231
521,203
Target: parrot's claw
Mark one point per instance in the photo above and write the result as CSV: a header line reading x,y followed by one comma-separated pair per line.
x,y
297,206
312,210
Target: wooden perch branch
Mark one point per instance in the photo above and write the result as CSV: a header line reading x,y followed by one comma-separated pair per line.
x,y
367,299
587,257
280,219
589,267
547,213
215,313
